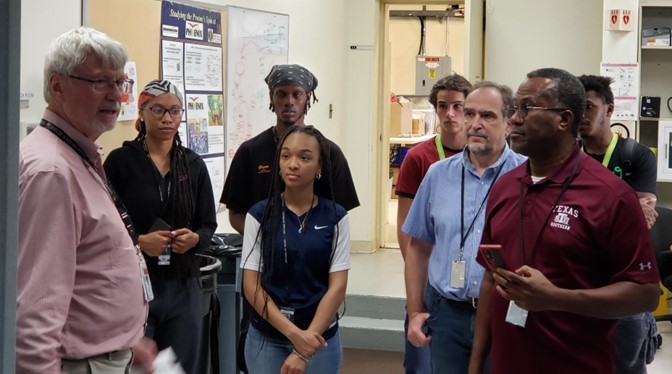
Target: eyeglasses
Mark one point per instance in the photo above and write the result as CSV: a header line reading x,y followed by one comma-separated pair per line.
x,y
105,85
524,109
158,111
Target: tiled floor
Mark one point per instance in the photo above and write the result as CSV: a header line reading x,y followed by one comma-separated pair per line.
x,y
382,274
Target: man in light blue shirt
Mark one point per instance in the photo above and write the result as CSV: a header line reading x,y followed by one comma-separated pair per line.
x,y
445,224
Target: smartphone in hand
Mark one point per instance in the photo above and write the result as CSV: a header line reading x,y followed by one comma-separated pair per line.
x,y
159,225
493,256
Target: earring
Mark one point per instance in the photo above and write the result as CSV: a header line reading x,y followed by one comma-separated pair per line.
x,y
280,173
319,175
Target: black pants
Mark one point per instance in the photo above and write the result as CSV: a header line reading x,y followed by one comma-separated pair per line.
x,y
176,319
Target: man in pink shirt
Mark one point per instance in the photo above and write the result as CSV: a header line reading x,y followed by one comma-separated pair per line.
x,y
80,303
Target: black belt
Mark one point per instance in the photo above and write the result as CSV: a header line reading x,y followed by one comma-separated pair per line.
x,y
471,302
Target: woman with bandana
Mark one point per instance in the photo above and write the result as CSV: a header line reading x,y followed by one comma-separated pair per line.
x,y
296,257
167,191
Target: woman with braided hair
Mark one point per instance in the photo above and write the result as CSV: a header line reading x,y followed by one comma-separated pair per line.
x,y
167,191
296,257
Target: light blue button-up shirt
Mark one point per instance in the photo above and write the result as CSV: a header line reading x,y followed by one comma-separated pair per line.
x,y
435,217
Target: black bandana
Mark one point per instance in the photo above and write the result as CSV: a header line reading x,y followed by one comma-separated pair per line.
x,y
291,75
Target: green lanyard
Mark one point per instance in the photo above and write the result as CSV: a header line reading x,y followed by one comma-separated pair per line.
x,y
610,150
439,147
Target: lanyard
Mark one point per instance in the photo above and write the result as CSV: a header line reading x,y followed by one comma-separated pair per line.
x,y
565,186
123,212
439,147
464,235
610,150
161,180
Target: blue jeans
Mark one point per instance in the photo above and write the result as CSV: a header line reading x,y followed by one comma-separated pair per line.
x,y
416,360
636,341
451,324
266,355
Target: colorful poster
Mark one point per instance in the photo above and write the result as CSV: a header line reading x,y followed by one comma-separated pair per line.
x,y
129,95
191,57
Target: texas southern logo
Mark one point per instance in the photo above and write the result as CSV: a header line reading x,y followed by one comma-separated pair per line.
x,y
563,217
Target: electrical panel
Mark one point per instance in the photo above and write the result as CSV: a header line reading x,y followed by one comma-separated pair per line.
x,y
428,71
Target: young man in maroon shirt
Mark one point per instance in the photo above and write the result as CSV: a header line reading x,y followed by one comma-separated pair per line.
x,y
574,239
447,97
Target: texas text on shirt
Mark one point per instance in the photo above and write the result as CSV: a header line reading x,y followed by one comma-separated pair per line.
x,y
581,243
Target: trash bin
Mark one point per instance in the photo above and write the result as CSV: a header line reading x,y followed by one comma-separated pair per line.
x,y
227,248
209,356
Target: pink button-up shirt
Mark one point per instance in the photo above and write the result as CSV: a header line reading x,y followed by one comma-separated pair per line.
x,y
79,286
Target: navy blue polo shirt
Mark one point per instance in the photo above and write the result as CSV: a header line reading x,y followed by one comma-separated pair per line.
x,y
321,248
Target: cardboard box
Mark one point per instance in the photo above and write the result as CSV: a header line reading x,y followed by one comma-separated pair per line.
x,y
656,37
393,182
401,117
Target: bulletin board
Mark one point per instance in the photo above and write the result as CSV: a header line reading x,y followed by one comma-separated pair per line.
x,y
137,25
256,41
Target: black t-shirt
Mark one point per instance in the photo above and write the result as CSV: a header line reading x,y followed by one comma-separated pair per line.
x,y
641,174
249,178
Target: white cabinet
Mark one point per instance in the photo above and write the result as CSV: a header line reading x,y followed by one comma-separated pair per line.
x,y
665,151
655,72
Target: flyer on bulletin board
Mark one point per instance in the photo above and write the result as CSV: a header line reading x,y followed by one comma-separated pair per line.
x,y
625,88
129,94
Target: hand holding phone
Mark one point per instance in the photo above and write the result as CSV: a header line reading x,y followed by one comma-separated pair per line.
x,y
493,256
159,225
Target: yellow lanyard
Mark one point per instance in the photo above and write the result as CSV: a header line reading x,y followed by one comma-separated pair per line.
x,y
610,150
439,147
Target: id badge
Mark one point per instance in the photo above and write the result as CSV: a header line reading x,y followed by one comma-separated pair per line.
x,y
146,282
516,315
164,257
288,312
457,270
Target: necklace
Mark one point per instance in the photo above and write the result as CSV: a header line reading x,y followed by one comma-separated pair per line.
x,y
302,223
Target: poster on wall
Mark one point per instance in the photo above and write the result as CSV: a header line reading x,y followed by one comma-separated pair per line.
x,y
256,40
191,57
625,88
129,93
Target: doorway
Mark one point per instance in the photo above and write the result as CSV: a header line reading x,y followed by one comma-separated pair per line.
x,y
403,40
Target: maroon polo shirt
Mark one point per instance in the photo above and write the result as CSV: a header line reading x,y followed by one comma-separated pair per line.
x,y
415,166
594,236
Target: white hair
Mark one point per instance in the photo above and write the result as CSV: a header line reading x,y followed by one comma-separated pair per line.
x,y
73,47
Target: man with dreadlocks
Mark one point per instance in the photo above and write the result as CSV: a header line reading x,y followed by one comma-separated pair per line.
x,y
291,89
167,191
